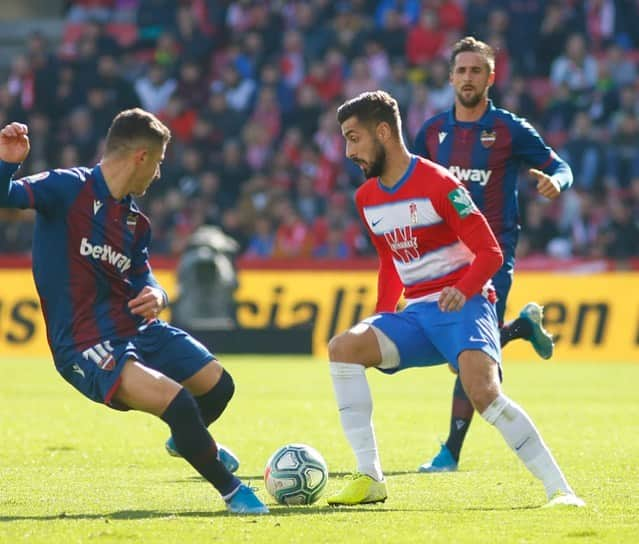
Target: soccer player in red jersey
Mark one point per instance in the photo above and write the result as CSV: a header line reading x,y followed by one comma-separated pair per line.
x,y
101,302
486,147
436,248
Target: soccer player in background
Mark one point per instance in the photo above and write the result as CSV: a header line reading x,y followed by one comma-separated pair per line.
x,y
436,247
485,147
101,302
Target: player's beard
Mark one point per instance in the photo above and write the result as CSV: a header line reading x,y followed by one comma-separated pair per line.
x,y
378,164
472,101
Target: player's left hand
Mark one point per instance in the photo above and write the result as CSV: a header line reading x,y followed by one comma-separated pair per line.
x,y
149,302
451,299
546,185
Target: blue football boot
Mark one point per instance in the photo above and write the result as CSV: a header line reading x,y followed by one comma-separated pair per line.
x,y
540,338
244,501
442,462
225,455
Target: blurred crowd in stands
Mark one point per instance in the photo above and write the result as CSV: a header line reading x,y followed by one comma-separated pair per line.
x,y
249,89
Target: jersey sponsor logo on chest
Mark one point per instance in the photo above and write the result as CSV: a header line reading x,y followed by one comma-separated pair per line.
x,y
106,253
403,244
476,175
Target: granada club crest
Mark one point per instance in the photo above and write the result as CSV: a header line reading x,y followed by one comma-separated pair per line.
x,y
412,210
487,138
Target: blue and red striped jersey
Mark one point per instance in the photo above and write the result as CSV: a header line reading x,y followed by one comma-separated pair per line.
x,y
90,254
487,156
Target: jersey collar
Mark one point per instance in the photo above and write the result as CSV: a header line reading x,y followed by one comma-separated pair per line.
x,y
400,181
486,120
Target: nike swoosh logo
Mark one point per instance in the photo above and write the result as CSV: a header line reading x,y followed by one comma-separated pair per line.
x,y
375,223
522,444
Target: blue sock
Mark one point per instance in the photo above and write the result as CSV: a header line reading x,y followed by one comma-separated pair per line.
x,y
194,442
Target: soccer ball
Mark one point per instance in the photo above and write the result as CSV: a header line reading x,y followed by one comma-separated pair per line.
x,y
296,474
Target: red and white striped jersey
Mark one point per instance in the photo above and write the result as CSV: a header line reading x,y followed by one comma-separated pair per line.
x,y
428,234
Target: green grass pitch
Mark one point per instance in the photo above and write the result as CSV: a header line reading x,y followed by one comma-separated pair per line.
x,y
72,471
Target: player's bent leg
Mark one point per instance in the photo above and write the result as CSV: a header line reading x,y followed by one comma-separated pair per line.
x,y
480,378
144,389
205,379
147,390
213,388
479,375
350,353
358,345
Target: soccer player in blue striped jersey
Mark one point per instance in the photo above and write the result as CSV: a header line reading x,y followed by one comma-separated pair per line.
x,y
485,147
101,302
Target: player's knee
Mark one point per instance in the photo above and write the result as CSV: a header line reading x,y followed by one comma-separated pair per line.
x,y
343,348
213,403
481,393
480,378
480,398
182,408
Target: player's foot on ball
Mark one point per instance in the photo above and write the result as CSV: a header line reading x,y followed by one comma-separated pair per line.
x,y
442,462
244,501
362,489
561,499
225,455
540,338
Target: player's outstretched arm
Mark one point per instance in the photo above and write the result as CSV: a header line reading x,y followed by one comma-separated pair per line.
x,y
14,143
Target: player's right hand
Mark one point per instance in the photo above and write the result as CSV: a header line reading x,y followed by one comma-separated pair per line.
x,y
451,299
14,142
546,185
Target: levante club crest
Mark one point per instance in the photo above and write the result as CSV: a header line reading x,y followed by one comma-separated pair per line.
x,y
131,222
487,138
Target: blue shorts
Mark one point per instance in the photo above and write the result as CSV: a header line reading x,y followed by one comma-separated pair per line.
x,y
95,371
426,336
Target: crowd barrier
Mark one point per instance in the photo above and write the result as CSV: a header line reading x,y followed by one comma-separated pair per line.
x,y
594,317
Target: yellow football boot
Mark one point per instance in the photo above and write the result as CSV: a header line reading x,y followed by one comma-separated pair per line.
x,y
362,489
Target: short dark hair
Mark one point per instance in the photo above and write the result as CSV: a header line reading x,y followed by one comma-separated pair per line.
x,y
473,45
135,126
372,108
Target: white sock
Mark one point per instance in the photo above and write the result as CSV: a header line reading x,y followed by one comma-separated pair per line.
x,y
524,439
355,411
